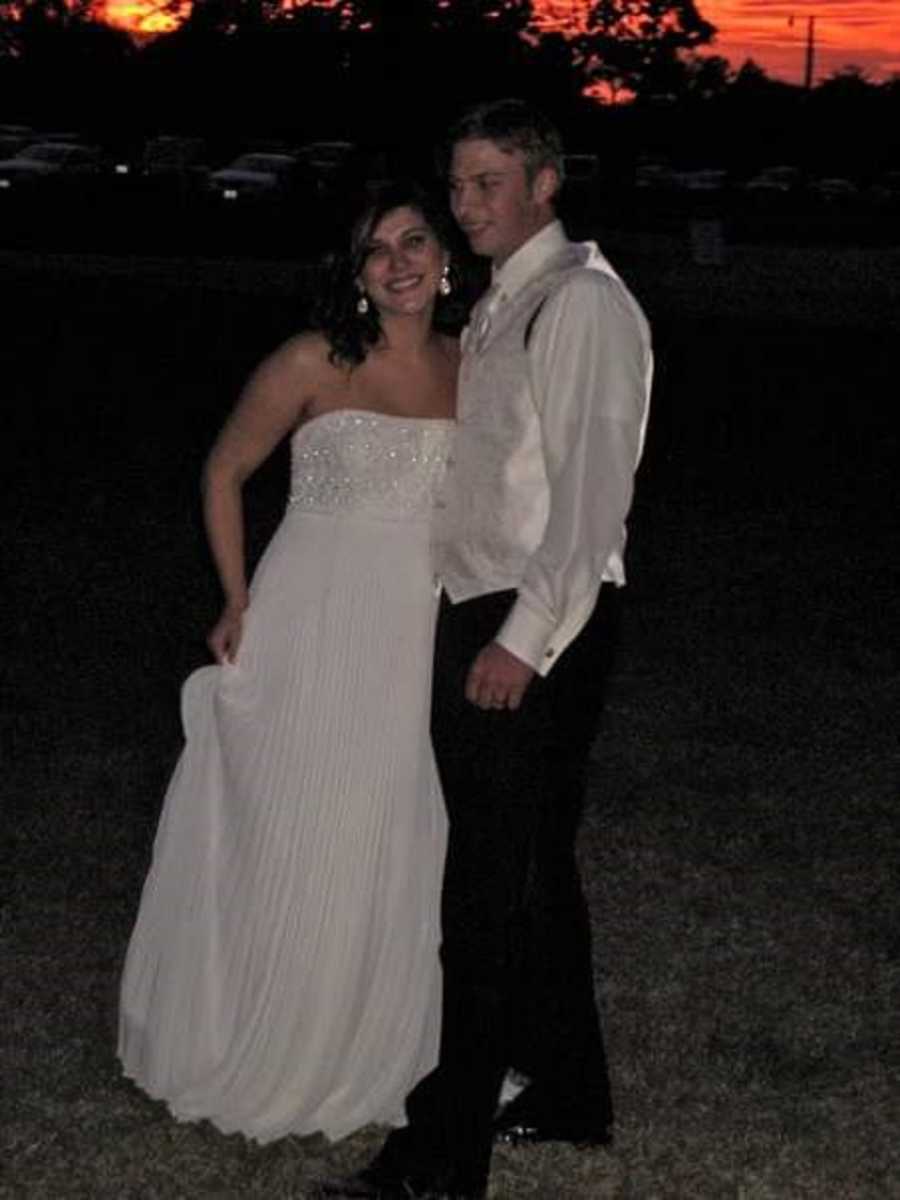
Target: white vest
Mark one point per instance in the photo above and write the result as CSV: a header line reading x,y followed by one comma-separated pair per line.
x,y
494,504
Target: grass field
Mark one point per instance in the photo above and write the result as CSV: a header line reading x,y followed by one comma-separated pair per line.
x,y
741,845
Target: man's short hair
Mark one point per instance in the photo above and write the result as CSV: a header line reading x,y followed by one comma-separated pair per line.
x,y
513,125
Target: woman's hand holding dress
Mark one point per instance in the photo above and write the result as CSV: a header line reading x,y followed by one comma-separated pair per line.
x,y
225,636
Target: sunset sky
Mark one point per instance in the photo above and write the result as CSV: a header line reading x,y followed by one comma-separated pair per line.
x,y
865,33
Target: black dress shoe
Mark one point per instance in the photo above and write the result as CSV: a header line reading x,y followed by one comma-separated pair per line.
x,y
525,1134
534,1116
518,1129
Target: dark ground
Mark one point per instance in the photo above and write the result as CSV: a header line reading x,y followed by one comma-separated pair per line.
x,y
741,844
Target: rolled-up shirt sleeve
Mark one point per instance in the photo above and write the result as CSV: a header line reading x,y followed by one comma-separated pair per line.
x,y
589,372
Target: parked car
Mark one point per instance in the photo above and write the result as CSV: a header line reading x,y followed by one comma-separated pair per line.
x,y
775,181
71,136
166,167
650,176
885,190
255,177
172,155
14,138
48,162
329,166
325,156
703,179
834,190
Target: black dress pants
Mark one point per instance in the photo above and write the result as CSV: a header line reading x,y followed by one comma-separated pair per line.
x,y
516,954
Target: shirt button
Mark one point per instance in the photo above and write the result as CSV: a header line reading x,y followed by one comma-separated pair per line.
x,y
549,653
451,462
440,504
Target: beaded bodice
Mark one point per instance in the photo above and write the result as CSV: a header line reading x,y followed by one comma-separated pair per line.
x,y
375,463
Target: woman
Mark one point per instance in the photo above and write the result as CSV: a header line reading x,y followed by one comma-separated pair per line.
x,y
283,975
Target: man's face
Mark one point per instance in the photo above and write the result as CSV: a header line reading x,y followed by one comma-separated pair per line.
x,y
495,204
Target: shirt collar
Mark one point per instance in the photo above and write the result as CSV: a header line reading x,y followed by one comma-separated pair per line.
x,y
529,259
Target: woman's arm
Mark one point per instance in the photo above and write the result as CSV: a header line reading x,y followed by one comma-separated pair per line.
x,y
271,405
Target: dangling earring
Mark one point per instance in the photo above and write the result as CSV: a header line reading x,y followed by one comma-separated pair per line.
x,y
445,287
362,304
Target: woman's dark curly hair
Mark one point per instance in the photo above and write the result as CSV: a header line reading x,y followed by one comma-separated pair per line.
x,y
351,334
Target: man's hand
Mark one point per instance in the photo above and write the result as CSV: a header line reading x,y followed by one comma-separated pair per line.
x,y
497,679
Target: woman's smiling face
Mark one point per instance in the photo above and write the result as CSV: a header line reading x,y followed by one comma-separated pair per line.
x,y
402,263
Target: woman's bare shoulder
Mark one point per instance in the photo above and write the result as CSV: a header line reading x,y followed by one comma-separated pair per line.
x,y
308,352
302,362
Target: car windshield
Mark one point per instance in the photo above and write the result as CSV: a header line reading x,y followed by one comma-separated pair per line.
x,y
269,164
47,153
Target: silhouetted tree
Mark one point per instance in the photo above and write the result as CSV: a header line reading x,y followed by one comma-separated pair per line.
x,y
849,84
64,32
633,45
237,16
413,62
889,93
752,82
411,18
553,79
847,122
59,65
25,22
707,76
406,19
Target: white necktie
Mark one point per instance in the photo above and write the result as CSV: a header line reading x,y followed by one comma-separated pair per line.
x,y
488,307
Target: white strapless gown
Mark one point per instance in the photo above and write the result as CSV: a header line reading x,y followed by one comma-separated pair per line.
x,y
283,972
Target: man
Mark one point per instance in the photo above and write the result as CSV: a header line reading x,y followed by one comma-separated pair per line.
x,y
553,397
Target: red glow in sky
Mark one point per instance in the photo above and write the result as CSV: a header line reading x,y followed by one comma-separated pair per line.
x,y
141,17
865,33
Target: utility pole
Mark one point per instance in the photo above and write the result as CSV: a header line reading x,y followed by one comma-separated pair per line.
x,y
810,53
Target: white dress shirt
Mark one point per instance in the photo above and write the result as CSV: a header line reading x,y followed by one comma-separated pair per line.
x,y
548,439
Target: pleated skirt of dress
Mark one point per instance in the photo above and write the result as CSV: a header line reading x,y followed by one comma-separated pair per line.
x,y
283,975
